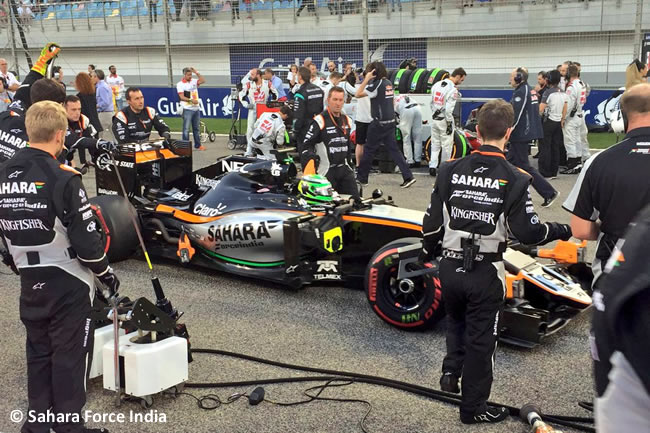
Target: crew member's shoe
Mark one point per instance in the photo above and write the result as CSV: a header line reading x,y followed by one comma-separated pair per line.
x,y
432,172
407,183
549,201
573,170
200,148
449,383
490,415
362,182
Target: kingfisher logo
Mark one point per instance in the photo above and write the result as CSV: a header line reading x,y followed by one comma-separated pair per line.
x,y
20,187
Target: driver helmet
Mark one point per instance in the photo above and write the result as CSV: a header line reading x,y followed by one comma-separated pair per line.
x,y
316,189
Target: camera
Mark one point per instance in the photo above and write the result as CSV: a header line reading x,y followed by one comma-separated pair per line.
x,y
359,71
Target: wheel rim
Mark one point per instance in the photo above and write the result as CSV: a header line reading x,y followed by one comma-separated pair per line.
x,y
404,295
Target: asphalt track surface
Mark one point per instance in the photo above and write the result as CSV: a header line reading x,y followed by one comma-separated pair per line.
x,y
321,326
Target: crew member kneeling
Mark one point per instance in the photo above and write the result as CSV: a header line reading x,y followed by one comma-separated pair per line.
x,y
474,202
269,131
51,235
134,123
332,127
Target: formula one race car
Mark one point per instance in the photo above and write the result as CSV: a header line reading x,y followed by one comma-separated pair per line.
x,y
256,219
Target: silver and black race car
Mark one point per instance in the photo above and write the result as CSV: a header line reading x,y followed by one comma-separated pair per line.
x,y
254,218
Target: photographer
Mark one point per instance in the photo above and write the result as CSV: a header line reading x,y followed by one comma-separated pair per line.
x,y
376,86
476,201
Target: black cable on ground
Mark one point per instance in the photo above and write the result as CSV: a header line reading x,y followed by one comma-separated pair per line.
x,y
374,380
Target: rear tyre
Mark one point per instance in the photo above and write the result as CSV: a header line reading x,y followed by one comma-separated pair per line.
x,y
412,305
120,237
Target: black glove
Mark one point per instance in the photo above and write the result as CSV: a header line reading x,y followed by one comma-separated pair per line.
x,y
105,146
450,128
425,255
559,231
110,282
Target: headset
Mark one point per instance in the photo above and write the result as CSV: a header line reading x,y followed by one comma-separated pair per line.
x,y
521,75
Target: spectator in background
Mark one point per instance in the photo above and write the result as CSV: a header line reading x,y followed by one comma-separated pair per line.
x,y
392,5
11,83
292,78
153,15
117,87
315,79
91,69
57,75
188,92
635,73
347,69
362,117
104,96
234,8
331,67
5,99
333,81
86,94
277,83
563,71
542,84
307,62
553,111
178,6
310,7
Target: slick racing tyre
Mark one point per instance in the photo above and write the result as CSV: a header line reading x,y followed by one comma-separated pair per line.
x,y
120,238
410,304
418,82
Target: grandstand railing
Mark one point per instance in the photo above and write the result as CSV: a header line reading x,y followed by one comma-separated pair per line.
x,y
88,13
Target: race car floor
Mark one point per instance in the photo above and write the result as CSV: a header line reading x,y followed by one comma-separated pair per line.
x,y
321,326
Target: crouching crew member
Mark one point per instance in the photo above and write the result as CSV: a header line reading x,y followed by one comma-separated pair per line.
x,y
269,131
134,123
51,236
332,127
81,133
474,202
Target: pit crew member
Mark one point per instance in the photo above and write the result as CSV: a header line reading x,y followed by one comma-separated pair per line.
x,y
270,131
51,234
134,123
13,135
444,95
255,90
526,128
81,133
612,188
576,95
410,125
620,323
475,201
308,102
382,129
332,127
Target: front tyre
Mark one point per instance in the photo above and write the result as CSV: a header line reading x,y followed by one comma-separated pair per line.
x,y
410,304
119,235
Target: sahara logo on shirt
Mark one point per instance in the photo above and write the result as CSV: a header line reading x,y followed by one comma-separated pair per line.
x,y
478,182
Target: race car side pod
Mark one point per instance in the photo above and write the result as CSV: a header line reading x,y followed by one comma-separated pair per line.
x,y
567,421
161,301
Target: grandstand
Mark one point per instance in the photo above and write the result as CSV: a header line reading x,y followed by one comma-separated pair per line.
x,y
488,38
